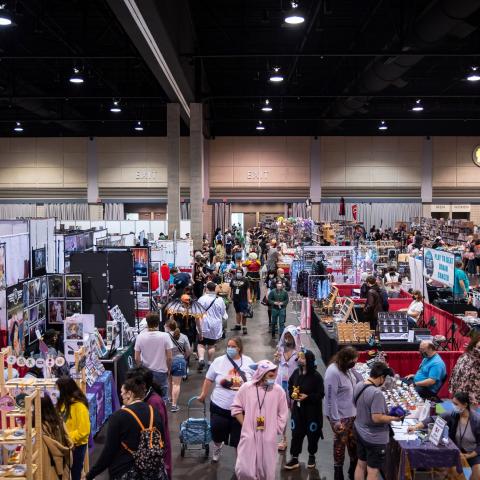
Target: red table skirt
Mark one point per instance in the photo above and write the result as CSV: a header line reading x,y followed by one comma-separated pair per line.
x,y
405,363
395,303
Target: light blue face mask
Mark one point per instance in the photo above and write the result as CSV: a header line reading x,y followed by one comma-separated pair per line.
x,y
231,352
270,382
457,409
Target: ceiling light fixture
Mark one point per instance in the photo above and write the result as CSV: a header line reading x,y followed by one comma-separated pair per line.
x,y
5,17
266,107
76,77
383,125
260,125
139,127
474,75
115,108
417,107
276,76
18,127
294,16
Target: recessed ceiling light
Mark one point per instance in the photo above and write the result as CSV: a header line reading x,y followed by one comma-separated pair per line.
x,y
417,107
115,108
76,77
474,75
5,17
276,76
138,127
260,125
383,125
266,107
18,127
294,16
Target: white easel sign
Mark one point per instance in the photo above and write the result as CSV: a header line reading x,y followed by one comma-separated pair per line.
x,y
437,431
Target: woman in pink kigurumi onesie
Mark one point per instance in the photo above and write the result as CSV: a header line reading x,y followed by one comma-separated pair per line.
x,y
261,408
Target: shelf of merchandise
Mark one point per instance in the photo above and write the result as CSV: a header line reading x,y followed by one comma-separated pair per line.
x,y
453,232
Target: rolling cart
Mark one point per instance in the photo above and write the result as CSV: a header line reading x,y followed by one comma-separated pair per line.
x,y
195,430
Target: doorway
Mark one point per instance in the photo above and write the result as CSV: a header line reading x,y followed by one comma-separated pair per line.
x,y
250,220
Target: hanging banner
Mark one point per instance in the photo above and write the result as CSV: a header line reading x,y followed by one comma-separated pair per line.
x,y
355,211
439,266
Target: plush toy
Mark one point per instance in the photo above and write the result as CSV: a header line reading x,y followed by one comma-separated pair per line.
x,y
295,393
397,412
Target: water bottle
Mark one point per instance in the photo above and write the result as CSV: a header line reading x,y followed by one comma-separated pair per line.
x,y
445,437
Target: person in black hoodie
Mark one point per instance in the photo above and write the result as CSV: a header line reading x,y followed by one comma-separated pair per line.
x,y
374,303
306,390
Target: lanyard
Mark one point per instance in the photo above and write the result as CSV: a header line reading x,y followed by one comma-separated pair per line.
x,y
260,405
464,430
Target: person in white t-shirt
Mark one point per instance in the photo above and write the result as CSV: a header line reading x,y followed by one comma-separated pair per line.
x,y
153,349
415,309
392,282
227,372
212,324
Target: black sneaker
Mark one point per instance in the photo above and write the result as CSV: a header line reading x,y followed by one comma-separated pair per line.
x,y
236,328
292,464
245,330
311,461
201,365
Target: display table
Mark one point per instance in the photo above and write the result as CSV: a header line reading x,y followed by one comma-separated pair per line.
x,y
405,456
119,364
328,345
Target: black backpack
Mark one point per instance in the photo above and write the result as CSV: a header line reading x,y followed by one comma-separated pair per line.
x,y
149,458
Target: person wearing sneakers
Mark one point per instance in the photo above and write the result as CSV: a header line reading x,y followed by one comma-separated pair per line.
x,y
278,300
227,372
306,391
212,324
241,297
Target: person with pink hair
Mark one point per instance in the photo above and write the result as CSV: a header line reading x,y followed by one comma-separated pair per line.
x,y
260,406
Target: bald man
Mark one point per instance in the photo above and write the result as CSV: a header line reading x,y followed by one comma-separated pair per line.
x,y
431,373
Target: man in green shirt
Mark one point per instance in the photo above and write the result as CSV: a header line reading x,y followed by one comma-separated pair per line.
x,y
278,300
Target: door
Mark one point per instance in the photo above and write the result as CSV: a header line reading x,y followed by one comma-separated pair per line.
x,y
250,220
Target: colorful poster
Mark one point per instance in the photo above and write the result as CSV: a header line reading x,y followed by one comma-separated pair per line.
x,y
140,261
73,286
15,318
439,266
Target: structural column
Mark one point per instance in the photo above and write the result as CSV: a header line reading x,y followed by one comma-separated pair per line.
x,y
173,153
92,171
197,174
315,181
427,160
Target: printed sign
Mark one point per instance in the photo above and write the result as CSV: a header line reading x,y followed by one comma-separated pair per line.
x,y
439,266
437,431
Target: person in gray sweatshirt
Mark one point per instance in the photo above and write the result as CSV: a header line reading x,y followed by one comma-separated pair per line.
x,y
339,408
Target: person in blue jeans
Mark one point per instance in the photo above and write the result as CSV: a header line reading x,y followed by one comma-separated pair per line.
x,y
278,300
431,373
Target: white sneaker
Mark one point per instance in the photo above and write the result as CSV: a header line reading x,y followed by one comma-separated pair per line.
x,y
216,452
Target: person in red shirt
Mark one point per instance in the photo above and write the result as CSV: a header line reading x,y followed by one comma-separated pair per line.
x,y
253,267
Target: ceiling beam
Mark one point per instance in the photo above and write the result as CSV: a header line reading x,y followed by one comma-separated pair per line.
x,y
332,54
147,30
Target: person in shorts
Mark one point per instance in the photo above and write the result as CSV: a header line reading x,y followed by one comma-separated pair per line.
x,y
372,422
241,297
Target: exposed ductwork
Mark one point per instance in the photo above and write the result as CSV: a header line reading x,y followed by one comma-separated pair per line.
x,y
440,19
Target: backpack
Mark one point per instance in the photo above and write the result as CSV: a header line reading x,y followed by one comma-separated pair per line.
x,y
149,457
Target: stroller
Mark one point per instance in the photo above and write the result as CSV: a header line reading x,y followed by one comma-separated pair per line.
x,y
196,430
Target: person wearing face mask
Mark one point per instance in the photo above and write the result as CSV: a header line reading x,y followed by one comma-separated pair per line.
x,y
371,422
227,373
270,284
306,390
241,296
284,279
340,380
465,376
278,300
463,429
260,406
286,357
431,372
415,309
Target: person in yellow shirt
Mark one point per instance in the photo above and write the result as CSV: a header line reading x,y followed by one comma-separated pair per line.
x,y
73,406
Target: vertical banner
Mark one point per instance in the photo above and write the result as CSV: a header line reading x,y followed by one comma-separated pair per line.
x,y
439,266
355,211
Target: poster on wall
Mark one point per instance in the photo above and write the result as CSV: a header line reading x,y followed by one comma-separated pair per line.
x,y
439,266
73,286
140,262
55,286
56,312
3,275
15,318
39,258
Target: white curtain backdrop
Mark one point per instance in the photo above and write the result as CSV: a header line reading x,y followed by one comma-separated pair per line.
x,y
382,215
222,216
184,211
114,211
299,209
10,211
67,211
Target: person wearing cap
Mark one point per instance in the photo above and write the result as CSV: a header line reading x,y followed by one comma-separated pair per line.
x,y
371,423
431,373
260,406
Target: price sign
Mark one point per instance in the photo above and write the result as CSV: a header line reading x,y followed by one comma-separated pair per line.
x,y
437,431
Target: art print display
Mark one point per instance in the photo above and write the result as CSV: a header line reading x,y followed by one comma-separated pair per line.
x,y
33,315
31,292
143,302
56,311
141,287
55,286
71,346
73,286
43,288
39,261
15,318
73,329
42,311
3,311
26,296
72,307
71,243
140,261
34,331
3,275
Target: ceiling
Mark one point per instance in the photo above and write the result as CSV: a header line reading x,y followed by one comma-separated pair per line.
x,y
349,66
